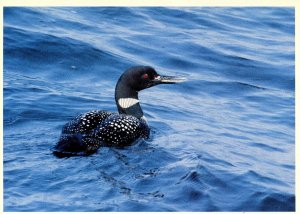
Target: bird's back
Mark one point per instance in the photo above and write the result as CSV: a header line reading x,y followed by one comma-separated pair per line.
x,y
84,134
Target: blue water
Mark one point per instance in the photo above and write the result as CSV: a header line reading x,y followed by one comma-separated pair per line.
x,y
222,141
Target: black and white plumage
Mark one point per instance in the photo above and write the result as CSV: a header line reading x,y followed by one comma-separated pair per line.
x,y
84,134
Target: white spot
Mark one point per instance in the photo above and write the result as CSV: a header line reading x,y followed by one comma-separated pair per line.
x,y
127,102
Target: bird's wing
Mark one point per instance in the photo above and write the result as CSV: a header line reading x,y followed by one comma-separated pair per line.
x,y
85,123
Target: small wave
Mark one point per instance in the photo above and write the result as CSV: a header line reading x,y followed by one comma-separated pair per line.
x,y
266,147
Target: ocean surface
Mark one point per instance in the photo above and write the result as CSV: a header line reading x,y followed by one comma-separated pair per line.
x,y
222,141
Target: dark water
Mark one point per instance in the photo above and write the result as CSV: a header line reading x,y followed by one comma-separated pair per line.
x,y
223,141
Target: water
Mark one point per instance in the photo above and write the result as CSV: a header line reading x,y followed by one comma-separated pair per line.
x,y
222,141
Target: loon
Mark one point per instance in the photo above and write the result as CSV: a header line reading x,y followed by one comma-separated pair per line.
x,y
87,132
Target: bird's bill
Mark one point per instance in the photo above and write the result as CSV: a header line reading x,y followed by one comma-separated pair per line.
x,y
169,79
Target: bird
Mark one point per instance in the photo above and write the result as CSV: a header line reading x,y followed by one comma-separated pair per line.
x,y
86,133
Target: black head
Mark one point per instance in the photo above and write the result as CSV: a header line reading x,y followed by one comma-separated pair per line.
x,y
142,77
139,77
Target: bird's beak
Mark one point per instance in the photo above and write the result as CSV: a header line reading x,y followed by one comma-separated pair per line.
x,y
168,79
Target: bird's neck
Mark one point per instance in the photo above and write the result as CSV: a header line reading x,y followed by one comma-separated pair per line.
x,y
127,101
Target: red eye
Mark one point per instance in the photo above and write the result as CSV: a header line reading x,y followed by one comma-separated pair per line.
x,y
145,76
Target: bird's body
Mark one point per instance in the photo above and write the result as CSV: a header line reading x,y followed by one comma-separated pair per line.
x,y
84,134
